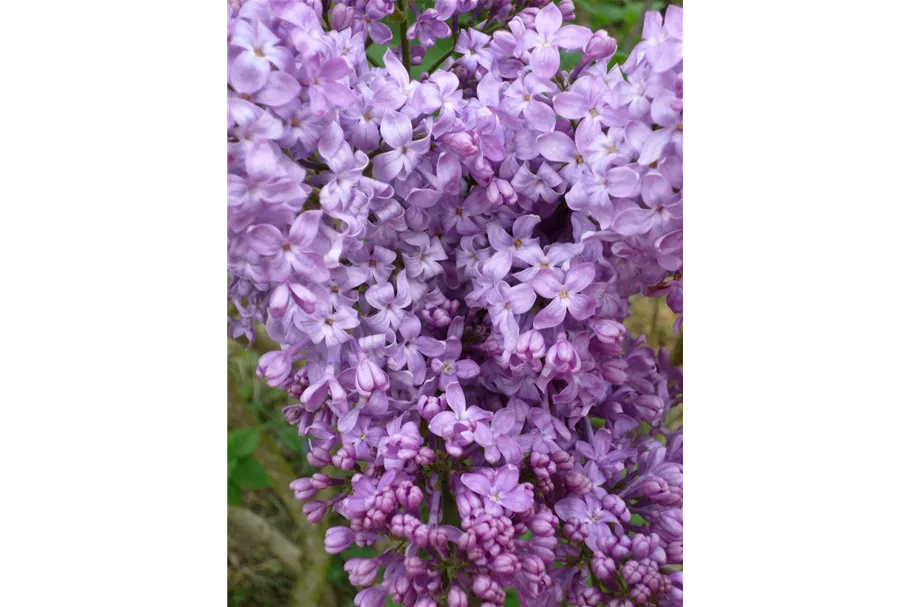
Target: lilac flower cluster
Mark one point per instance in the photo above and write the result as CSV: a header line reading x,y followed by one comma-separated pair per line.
x,y
446,259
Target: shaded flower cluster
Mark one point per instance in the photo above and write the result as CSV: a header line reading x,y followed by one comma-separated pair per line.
x,y
446,260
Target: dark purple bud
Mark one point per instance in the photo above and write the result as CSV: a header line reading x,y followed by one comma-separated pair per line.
x,y
616,506
505,563
319,457
315,511
293,413
320,480
563,460
578,483
415,566
338,539
303,489
674,552
574,530
567,10
650,407
344,458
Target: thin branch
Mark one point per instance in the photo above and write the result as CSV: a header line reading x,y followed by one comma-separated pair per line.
x,y
403,39
258,529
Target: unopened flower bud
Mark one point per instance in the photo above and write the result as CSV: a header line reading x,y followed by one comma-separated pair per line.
x,y
600,46
338,539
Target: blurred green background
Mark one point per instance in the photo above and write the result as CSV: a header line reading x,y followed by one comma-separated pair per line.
x,y
275,557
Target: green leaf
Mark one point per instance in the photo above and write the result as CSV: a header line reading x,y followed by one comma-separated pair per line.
x,y
249,474
511,599
570,60
246,391
234,496
636,520
242,442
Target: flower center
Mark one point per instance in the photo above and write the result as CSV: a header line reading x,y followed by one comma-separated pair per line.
x,y
447,368
329,321
579,159
612,149
563,294
517,243
258,52
593,112
494,497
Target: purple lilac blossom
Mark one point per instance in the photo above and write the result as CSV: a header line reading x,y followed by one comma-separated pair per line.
x,y
446,260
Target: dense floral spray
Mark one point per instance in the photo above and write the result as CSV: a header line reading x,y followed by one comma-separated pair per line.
x,y
446,259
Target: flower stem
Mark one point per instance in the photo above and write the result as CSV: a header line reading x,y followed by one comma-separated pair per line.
x,y
403,40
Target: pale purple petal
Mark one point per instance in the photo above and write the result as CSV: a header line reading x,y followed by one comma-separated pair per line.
x,y
557,147
476,482
551,316
572,37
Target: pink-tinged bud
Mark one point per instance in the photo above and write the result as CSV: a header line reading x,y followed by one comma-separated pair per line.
x,y
303,489
342,17
417,54
608,331
527,16
370,377
415,566
463,142
505,563
274,367
500,191
457,597
315,511
429,406
641,546
338,539
319,457
603,567
567,10
481,585
377,9
531,345
303,297
542,525
562,356
421,536
361,572
600,46
454,450
425,456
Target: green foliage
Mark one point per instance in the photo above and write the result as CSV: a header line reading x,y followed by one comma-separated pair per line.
x,y
244,472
